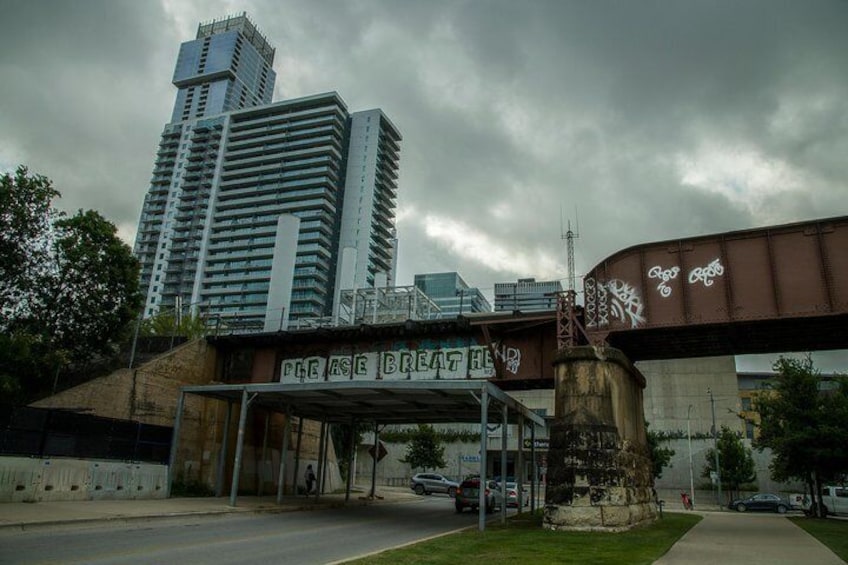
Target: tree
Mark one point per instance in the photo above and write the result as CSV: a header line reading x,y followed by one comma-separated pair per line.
x,y
25,224
345,437
660,456
735,461
165,324
68,286
805,427
425,450
94,293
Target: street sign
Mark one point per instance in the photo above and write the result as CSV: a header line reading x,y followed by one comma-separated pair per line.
x,y
470,458
381,451
541,443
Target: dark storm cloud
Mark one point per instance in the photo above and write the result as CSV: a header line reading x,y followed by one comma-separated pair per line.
x,y
648,120
81,102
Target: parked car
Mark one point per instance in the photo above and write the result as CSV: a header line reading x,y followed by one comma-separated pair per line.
x,y
763,502
512,495
428,483
468,496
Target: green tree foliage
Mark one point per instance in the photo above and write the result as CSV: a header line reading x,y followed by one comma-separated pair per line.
x,y
735,461
405,435
805,427
25,224
94,293
165,323
424,450
342,436
660,456
68,285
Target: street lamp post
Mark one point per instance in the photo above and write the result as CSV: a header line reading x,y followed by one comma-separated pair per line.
x,y
715,450
691,472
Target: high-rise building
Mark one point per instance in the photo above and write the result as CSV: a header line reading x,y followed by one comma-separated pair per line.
x,y
526,295
258,212
227,67
452,294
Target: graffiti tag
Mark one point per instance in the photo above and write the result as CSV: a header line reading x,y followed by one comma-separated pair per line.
x,y
664,275
706,274
615,297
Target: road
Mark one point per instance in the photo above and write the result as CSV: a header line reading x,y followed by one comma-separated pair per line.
x,y
308,537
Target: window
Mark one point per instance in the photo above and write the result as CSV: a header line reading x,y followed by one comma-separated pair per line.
x,y
749,429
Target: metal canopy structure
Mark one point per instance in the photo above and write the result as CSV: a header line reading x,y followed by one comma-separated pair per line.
x,y
383,402
378,401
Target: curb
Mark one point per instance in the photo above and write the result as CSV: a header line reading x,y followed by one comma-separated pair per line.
x,y
128,518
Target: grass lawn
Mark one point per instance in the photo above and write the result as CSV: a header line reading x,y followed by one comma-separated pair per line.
x,y
832,533
523,540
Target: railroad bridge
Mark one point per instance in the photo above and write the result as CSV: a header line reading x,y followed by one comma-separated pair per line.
x,y
775,289
765,290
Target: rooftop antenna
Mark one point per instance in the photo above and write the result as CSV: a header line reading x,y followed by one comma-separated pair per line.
x,y
567,323
569,236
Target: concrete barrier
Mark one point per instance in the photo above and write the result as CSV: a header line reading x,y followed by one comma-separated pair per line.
x,y
34,480
19,479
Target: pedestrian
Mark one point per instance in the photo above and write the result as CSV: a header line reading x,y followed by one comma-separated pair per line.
x,y
687,505
309,476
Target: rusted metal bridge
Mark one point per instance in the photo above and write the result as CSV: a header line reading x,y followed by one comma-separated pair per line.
x,y
767,290
772,289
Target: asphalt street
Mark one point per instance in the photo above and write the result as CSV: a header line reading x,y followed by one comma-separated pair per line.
x,y
308,537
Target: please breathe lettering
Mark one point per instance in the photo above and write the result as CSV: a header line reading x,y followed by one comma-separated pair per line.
x,y
418,364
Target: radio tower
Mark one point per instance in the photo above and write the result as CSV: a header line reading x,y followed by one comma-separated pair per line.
x,y
566,322
569,237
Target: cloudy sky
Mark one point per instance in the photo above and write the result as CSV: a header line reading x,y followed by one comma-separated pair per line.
x,y
641,120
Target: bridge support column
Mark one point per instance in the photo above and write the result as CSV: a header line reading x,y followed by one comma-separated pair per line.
x,y
599,469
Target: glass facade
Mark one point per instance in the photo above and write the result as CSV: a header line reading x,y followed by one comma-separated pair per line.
x,y
526,295
451,294
228,67
223,177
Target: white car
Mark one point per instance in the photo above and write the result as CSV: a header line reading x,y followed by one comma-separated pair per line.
x,y
512,495
428,483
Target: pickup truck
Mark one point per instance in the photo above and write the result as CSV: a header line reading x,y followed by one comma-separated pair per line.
x,y
834,498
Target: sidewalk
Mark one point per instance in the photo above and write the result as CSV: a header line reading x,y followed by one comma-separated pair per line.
x,y
731,538
29,515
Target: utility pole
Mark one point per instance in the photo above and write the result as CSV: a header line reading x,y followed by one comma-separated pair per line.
x,y
691,472
715,450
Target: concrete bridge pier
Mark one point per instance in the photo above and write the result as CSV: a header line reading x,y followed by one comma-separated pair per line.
x,y
599,469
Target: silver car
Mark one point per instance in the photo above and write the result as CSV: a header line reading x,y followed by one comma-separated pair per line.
x,y
428,483
512,495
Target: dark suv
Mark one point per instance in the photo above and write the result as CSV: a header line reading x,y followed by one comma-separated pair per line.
x,y
468,495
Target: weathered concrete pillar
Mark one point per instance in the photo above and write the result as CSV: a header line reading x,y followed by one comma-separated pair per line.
x,y
599,471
